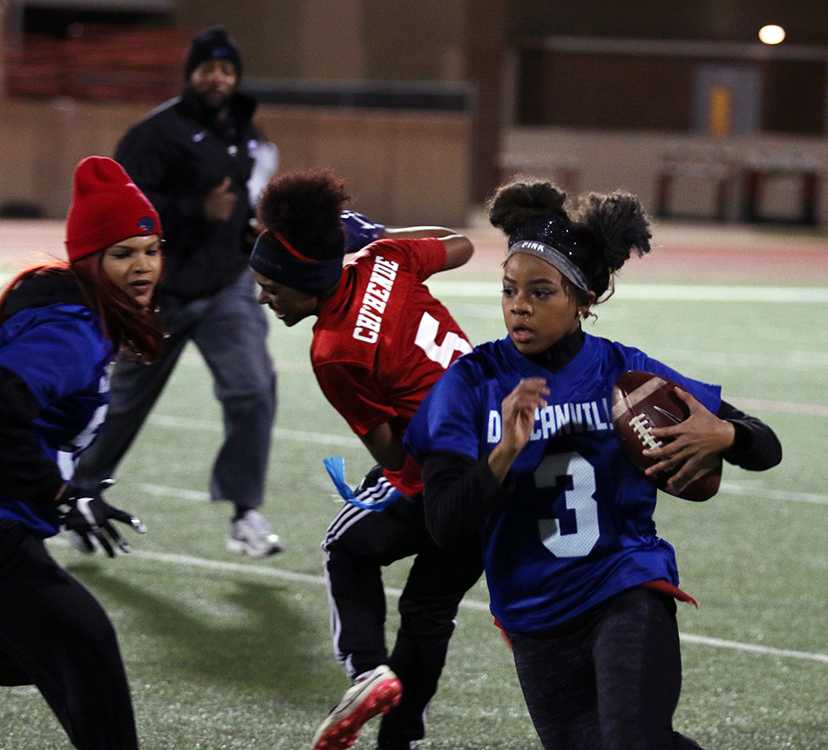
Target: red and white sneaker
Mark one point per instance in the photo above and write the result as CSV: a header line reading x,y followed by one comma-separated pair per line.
x,y
373,693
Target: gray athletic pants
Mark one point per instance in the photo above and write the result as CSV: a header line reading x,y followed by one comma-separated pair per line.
x,y
230,331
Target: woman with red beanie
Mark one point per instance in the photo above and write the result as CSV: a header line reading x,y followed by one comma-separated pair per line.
x,y
60,326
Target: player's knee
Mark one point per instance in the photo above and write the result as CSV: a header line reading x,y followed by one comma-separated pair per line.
x,y
431,619
253,395
92,634
352,550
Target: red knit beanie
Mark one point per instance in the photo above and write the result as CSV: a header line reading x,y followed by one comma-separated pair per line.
x,y
107,207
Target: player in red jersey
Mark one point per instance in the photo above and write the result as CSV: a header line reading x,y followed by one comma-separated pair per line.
x,y
380,343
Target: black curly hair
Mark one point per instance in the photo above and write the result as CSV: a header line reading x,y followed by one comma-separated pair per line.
x,y
305,207
599,232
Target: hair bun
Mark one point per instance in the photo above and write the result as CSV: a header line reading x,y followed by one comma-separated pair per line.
x,y
515,204
305,206
619,223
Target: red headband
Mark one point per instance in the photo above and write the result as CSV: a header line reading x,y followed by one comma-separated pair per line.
x,y
291,249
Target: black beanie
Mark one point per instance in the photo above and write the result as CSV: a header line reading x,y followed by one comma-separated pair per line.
x,y
212,44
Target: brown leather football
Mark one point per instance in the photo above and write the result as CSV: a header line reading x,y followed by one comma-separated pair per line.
x,y
641,401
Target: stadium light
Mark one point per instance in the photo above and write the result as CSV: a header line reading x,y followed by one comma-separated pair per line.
x,y
771,34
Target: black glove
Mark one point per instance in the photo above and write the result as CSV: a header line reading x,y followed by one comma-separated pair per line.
x,y
88,516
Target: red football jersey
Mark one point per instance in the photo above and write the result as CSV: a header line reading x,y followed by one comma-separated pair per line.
x,y
381,341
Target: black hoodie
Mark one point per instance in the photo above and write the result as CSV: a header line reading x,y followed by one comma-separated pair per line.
x,y
178,154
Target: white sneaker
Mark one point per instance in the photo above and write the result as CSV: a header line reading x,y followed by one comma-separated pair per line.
x,y
252,535
373,693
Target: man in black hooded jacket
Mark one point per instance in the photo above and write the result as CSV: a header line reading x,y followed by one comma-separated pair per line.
x,y
193,157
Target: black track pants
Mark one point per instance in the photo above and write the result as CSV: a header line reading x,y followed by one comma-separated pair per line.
x,y
358,544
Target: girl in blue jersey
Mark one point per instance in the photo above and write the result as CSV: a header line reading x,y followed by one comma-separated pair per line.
x,y
517,445
60,326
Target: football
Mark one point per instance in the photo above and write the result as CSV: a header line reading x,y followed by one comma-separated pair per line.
x,y
641,401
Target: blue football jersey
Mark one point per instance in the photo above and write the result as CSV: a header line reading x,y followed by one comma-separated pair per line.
x,y
579,527
62,356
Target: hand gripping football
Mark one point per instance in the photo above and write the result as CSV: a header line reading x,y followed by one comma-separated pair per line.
x,y
641,401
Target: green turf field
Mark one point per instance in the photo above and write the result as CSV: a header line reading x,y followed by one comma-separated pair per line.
x,y
225,653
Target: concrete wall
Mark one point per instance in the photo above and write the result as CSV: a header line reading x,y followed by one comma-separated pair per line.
x,y
341,40
401,167
806,21
581,160
655,87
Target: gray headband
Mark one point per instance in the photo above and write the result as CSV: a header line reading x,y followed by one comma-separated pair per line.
x,y
554,258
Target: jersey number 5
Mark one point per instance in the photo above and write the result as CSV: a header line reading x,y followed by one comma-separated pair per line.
x,y
575,475
444,353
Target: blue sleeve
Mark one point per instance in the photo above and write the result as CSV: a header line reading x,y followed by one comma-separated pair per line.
x,y
448,419
55,351
359,230
708,394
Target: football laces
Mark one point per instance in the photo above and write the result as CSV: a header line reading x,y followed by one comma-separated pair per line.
x,y
642,427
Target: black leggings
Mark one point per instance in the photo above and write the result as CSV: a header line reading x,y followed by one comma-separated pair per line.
x,y
55,635
607,680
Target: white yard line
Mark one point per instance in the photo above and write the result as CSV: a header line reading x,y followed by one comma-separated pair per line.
x,y
177,493
645,292
657,292
794,359
783,407
188,561
752,648
746,489
749,489
209,425
741,489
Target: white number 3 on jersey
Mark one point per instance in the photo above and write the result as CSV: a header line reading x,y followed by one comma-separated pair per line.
x,y
579,494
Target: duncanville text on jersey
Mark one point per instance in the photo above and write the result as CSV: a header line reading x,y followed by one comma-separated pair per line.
x,y
559,419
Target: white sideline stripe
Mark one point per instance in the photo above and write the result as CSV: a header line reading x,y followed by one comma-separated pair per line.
x,y
785,407
470,604
320,438
208,425
748,490
727,488
703,640
159,490
653,292
794,359
324,438
645,292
